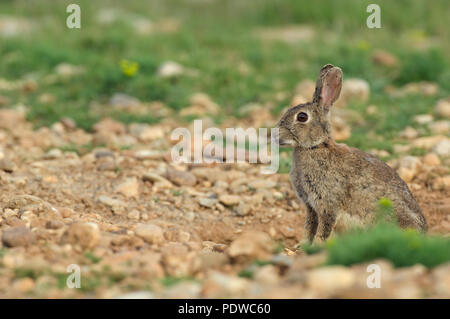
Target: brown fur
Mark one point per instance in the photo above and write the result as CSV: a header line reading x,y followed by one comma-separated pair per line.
x,y
339,185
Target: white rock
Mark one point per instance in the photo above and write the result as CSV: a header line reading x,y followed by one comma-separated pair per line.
x,y
329,280
151,233
442,148
137,295
423,118
129,188
442,108
170,69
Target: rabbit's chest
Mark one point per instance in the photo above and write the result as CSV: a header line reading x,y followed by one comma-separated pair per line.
x,y
318,188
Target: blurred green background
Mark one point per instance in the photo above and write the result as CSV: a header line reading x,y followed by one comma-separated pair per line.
x,y
235,51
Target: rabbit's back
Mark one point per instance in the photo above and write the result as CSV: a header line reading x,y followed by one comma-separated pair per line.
x,y
346,181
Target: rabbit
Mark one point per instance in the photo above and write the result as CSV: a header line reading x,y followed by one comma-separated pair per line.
x,y
339,185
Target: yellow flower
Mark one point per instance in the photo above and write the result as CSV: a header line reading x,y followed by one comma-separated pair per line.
x,y
363,45
129,68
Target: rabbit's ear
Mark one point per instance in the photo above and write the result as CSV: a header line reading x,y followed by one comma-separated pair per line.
x,y
328,86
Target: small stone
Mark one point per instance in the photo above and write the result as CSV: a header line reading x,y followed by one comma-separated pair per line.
x,y
427,142
439,127
219,285
53,154
423,118
54,224
66,212
137,295
68,123
34,204
145,132
17,236
229,200
134,214
149,155
441,183
109,126
409,133
181,178
406,174
442,148
243,209
176,260
441,280
330,280
201,104
306,89
431,159
170,69
354,90
409,167
123,101
156,178
262,184
442,108
23,285
10,119
111,202
384,58
207,202
7,165
129,188
267,274
82,235
151,233
212,259
252,245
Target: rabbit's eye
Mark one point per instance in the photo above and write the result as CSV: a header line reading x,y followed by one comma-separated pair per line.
x,y
302,117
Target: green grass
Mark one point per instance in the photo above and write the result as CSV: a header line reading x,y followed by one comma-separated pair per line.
x,y
401,247
169,281
387,241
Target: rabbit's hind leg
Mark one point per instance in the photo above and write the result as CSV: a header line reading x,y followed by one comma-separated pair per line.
x,y
326,225
311,224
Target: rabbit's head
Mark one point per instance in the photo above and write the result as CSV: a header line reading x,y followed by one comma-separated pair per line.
x,y
308,125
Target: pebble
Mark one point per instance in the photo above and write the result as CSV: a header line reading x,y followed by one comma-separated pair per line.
x,y
330,280
53,154
181,178
17,236
442,108
441,183
150,233
252,245
423,118
82,235
134,214
207,202
149,155
431,159
442,148
385,58
111,202
262,183
7,165
267,274
109,126
170,69
23,285
230,200
129,188
137,295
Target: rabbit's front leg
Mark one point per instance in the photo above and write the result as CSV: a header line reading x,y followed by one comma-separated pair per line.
x,y
326,224
311,224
